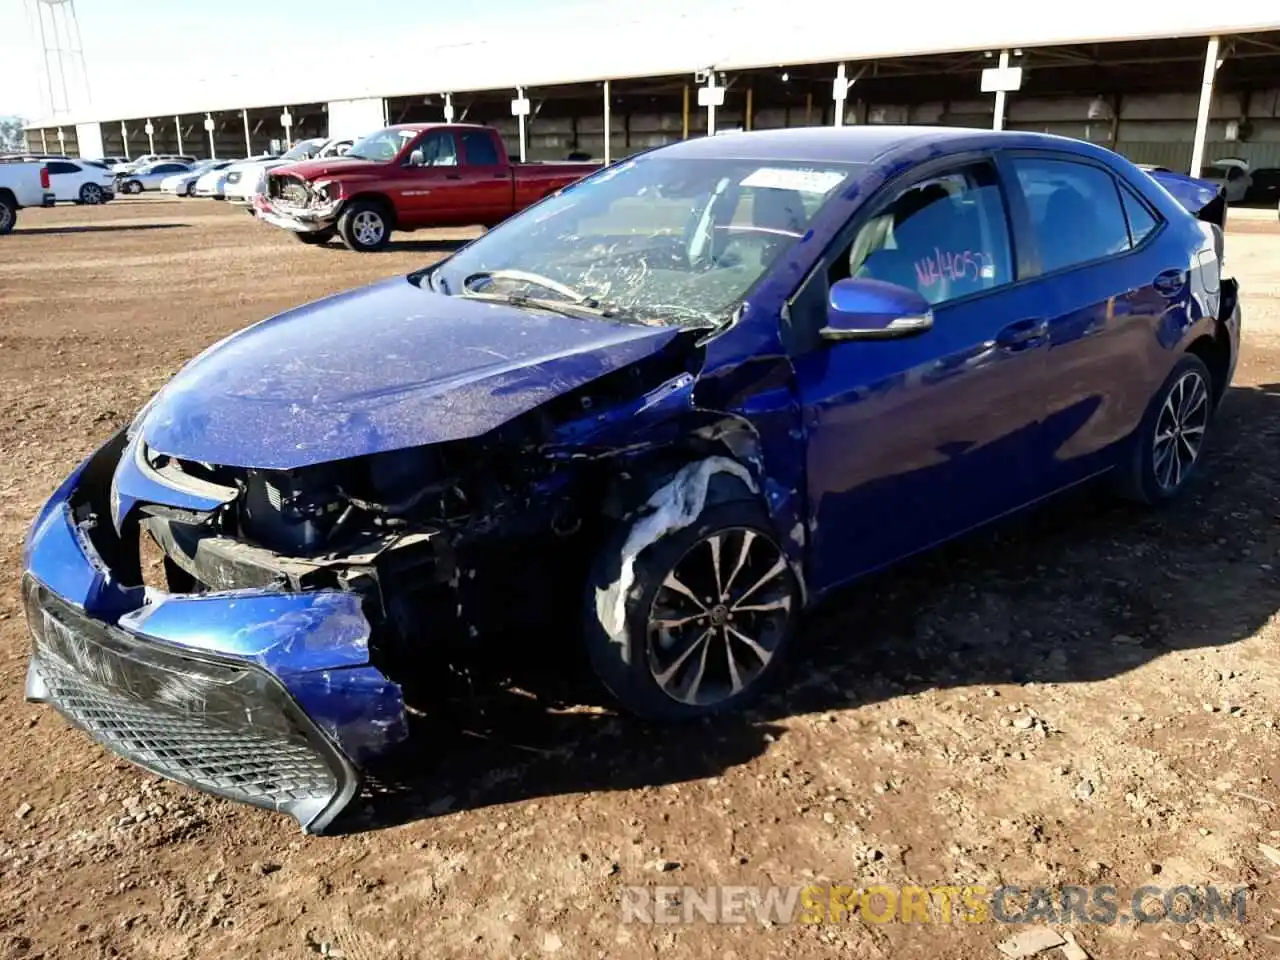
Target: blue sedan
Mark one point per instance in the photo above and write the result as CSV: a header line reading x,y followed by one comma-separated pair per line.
x,y
663,411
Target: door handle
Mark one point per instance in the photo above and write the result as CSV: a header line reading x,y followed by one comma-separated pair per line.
x,y
1169,283
1023,333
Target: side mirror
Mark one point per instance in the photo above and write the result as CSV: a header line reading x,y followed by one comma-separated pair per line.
x,y
417,158
864,309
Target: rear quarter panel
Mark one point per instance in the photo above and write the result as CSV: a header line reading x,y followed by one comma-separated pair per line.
x,y
533,181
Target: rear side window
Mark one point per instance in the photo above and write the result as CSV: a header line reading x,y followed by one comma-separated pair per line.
x,y
56,166
479,150
1075,210
1142,222
946,237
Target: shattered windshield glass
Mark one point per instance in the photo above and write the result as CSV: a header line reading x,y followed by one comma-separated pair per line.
x,y
669,241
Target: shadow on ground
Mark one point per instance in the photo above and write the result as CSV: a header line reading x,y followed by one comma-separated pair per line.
x,y
1080,590
102,228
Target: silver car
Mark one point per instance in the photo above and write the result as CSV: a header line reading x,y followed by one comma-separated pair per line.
x,y
148,177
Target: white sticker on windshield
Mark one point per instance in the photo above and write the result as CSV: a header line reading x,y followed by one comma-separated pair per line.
x,y
786,178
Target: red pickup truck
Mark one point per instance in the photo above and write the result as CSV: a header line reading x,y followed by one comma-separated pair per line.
x,y
408,177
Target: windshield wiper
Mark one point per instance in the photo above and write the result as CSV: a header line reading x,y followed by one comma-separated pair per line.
x,y
566,308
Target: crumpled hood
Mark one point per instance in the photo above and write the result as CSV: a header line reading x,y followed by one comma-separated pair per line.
x,y
331,166
379,368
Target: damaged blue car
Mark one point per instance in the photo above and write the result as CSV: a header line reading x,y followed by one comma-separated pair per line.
x,y
665,409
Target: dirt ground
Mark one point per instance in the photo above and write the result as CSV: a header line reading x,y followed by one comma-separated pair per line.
x,y
1088,696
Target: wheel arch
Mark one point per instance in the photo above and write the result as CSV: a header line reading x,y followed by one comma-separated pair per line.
x,y
1215,350
381,199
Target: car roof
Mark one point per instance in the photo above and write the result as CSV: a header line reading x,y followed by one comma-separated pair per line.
x,y
864,144
419,127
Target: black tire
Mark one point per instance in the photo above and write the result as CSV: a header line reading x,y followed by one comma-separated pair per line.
x,y
8,215
631,661
315,239
191,189
1153,479
91,194
357,227
131,186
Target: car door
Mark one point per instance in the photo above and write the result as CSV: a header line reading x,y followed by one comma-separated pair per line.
x,y
425,194
65,179
1106,284
912,441
160,171
486,187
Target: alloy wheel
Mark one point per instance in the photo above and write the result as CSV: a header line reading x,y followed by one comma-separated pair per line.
x,y
368,228
1180,429
91,194
719,616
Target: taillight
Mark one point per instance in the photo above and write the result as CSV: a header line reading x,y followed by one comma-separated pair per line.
x,y
44,178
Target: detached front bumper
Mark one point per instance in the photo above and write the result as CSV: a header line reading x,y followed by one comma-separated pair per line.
x,y
296,219
258,695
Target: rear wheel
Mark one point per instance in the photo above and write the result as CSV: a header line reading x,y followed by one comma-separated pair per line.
x,y
315,239
1170,441
91,194
363,226
8,215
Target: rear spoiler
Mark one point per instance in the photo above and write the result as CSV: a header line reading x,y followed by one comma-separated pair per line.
x,y
1206,200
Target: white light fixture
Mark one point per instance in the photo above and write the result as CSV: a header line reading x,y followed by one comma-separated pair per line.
x,y
785,76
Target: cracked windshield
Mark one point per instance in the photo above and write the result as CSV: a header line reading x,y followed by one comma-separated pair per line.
x,y
674,242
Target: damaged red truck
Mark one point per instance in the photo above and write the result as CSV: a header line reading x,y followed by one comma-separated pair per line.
x,y
408,177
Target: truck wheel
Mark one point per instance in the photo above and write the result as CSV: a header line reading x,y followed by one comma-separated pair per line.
x,y
315,239
91,194
363,227
8,215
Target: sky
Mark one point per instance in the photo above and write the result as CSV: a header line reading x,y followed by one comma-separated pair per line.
x,y
183,43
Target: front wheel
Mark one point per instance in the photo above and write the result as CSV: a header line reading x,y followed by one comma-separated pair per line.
x,y
191,189
363,227
315,239
132,186
702,623
1170,440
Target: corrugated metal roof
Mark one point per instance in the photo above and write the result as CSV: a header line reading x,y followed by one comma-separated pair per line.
x,y
734,35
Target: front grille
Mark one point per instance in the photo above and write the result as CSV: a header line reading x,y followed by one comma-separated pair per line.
x,y
288,188
240,765
225,727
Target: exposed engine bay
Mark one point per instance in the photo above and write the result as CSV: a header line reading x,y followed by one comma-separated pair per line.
x,y
474,537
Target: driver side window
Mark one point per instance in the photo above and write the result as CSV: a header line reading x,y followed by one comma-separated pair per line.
x,y
946,237
439,150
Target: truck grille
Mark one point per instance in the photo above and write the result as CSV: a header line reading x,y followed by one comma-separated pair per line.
x,y
289,189
226,727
